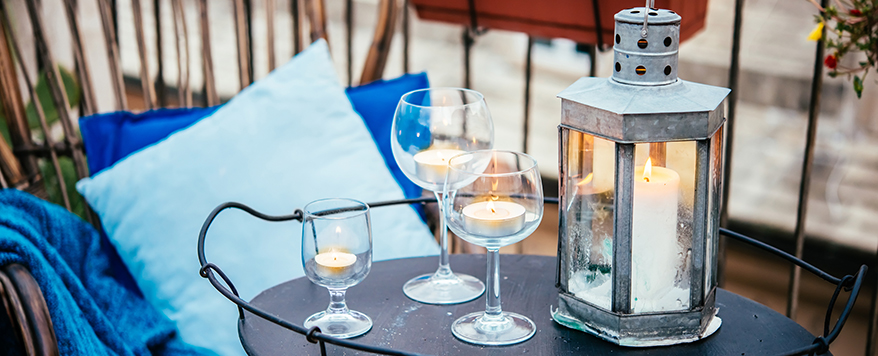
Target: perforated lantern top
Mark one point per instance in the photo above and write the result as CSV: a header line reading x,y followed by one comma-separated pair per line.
x,y
644,101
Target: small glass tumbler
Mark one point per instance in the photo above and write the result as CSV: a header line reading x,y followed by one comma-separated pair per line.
x,y
337,254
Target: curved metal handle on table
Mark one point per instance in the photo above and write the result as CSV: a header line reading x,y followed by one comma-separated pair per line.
x,y
851,283
313,335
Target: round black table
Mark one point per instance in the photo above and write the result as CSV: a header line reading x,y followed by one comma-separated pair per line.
x,y
527,287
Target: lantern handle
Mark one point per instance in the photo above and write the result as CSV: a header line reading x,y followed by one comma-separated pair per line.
x,y
649,5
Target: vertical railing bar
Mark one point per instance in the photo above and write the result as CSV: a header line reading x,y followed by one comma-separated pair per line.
x,y
207,60
181,94
872,334
734,74
89,104
297,26
145,78
241,41
405,36
593,61
599,28
248,25
349,33
160,69
187,88
109,27
805,182
269,24
528,65
114,15
467,46
57,91
41,115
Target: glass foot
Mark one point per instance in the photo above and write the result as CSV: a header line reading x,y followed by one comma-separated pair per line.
x,y
505,329
454,289
340,325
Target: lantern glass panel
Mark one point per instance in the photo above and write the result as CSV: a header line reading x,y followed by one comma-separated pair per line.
x,y
714,190
588,205
661,235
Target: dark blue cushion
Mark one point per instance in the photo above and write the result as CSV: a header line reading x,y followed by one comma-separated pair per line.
x,y
110,137
376,102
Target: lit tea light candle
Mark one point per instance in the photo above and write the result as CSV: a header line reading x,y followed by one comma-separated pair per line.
x,y
334,264
654,235
494,218
432,165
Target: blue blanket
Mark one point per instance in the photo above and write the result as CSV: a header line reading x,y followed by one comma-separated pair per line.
x,y
93,314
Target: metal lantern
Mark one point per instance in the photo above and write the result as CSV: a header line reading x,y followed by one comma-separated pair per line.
x,y
641,176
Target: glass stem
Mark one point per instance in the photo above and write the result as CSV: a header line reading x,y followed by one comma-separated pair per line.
x,y
337,303
444,270
492,297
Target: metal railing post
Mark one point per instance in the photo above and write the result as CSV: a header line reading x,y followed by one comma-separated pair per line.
x,y
805,183
734,74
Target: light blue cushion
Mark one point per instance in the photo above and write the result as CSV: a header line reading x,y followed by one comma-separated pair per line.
x,y
282,142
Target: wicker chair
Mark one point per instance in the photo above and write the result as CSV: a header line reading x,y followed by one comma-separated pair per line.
x,y
20,159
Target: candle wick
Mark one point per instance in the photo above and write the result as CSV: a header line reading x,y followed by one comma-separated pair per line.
x,y
646,179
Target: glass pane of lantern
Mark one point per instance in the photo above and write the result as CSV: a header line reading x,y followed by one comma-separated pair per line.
x,y
664,197
588,208
714,189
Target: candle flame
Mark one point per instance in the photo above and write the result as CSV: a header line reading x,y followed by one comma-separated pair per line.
x,y
495,184
586,180
490,206
647,170
338,229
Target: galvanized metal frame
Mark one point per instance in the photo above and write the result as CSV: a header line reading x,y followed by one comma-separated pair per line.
x,y
623,220
700,232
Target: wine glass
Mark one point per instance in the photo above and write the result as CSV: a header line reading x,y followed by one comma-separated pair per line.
x,y
429,127
337,254
494,199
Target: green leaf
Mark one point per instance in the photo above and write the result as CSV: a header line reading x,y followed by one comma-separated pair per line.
x,y
4,130
71,86
858,86
53,189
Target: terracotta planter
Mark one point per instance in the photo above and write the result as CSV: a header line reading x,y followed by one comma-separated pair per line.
x,y
571,19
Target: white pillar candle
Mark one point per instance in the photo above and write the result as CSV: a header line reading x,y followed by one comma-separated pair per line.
x,y
494,218
431,165
654,236
334,264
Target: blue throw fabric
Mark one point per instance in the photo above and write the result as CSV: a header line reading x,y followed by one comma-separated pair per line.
x,y
92,313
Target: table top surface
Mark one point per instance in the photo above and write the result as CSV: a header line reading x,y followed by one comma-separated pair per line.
x,y
527,287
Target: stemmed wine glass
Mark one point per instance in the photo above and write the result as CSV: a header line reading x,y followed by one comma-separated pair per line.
x,y
493,199
337,254
429,127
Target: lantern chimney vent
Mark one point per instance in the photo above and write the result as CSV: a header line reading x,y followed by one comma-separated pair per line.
x,y
646,55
